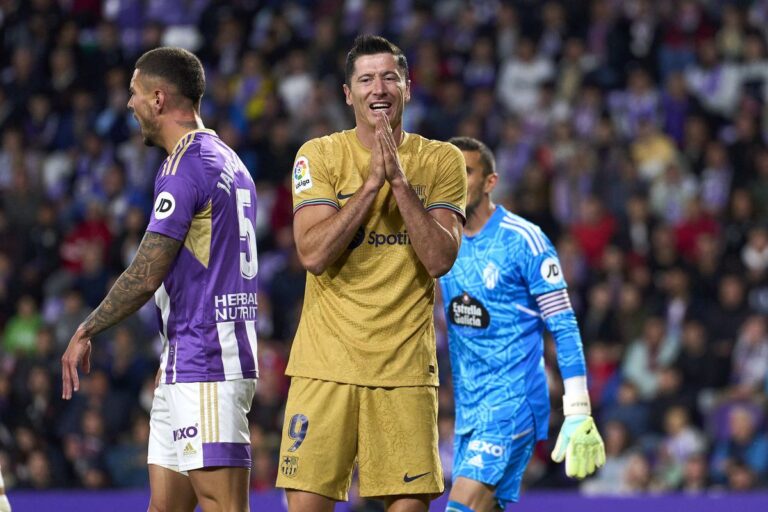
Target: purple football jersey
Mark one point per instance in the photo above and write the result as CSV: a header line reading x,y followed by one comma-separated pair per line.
x,y
207,304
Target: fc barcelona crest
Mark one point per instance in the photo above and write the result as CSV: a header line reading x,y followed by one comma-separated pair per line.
x,y
289,466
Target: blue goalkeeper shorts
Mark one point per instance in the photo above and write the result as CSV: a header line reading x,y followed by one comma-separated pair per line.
x,y
496,454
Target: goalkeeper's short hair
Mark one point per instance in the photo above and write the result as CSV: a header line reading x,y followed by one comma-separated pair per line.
x,y
472,144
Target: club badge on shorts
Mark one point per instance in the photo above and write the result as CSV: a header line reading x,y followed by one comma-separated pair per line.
x,y
289,466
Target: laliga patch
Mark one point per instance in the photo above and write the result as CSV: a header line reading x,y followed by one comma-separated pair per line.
x,y
302,180
551,271
164,205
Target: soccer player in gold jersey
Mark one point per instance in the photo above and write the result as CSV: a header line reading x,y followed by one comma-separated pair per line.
x,y
378,215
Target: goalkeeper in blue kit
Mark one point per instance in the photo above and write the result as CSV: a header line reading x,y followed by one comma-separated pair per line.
x,y
504,289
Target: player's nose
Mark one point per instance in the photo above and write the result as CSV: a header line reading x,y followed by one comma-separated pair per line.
x,y
379,87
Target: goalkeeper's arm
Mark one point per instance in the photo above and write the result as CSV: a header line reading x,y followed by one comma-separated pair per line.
x,y
579,443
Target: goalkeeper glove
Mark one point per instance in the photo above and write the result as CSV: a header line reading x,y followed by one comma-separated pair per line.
x,y
579,442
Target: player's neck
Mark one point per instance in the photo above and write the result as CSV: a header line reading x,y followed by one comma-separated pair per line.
x,y
178,127
479,217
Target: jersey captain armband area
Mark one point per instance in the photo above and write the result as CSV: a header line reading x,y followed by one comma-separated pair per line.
x,y
552,303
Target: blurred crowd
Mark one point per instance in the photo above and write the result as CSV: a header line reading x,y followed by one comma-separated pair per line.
x,y
634,132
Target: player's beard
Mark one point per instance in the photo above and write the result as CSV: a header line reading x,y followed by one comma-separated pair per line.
x,y
149,130
476,199
472,207
149,142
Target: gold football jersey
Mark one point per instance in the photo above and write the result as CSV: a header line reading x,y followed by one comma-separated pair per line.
x,y
367,320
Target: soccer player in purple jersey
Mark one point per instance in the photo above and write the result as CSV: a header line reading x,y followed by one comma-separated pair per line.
x,y
198,259
5,506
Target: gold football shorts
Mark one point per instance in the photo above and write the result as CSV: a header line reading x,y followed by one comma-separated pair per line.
x,y
390,432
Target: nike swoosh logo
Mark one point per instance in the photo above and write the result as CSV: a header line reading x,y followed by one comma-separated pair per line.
x,y
521,434
408,479
344,196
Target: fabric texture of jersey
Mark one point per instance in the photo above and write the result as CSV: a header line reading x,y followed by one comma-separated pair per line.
x,y
495,323
207,305
368,319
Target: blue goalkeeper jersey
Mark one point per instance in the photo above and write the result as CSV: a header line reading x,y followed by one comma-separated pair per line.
x,y
505,287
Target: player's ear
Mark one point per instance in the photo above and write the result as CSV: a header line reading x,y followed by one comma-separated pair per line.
x,y
407,93
347,94
490,183
159,102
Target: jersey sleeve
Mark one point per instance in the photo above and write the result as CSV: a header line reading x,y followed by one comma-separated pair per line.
x,y
178,197
311,179
450,187
542,271
540,264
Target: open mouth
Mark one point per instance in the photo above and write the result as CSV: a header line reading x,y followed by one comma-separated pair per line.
x,y
380,105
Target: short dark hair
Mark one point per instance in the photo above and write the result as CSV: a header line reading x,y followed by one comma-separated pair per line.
x,y
372,45
472,144
178,67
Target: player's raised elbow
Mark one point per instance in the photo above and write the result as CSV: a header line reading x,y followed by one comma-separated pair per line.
x,y
315,269
436,272
313,263
440,266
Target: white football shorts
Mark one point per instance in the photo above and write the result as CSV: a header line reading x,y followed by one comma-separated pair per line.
x,y
197,425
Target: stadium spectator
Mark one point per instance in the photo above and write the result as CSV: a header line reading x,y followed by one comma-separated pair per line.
x,y
646,356
715,83
21,329
593,230
696,362
628,409
609,479
750,358
695,479
744,444
521,76
680,442
126,460
670,397
671,191
638,475
67,313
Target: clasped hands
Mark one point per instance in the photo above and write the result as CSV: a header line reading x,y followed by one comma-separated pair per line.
x,y
385,163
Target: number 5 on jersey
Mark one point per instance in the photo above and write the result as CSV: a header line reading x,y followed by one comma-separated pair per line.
x,y
249,264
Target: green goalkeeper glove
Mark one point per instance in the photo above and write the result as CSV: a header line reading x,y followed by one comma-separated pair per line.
x,y
579,442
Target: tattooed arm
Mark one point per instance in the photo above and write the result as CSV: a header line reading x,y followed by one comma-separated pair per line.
x,y
131,290
136,285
